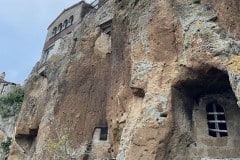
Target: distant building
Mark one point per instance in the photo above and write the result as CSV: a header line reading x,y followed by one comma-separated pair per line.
x,y
6,86
62,28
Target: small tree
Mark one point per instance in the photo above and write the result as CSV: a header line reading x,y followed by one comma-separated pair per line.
x,y
10,104
5,147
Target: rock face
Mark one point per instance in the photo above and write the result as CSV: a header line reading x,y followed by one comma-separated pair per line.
x,y
7,125
136,79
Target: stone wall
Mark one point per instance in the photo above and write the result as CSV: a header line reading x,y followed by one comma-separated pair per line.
x,y
5,86
72,15
77,11
190,100
100,147
214,147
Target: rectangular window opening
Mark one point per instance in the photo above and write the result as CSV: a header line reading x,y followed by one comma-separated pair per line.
x,y
106,27
104,133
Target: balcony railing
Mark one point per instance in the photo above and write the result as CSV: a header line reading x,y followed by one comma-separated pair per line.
x,y
58,36
98,3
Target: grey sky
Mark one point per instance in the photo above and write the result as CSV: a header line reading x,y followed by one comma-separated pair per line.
x,y
23,27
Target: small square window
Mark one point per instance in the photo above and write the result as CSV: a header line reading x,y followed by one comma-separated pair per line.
x,y
104,133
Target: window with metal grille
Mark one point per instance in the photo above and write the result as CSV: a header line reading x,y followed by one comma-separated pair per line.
x,y
217,126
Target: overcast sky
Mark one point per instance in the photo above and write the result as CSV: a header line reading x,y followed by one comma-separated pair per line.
x,y
23,27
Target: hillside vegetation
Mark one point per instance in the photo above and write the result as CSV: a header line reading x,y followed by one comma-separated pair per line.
x,y
10,103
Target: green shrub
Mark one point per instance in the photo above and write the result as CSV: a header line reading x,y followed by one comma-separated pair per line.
x,y
10,104
6,144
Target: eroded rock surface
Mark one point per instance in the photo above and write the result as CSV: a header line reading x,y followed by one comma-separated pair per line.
x,y
150,82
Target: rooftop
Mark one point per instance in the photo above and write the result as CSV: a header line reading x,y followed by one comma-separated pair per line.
x,y
66,10
6,82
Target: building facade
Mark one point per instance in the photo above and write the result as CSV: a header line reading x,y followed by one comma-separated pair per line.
x,y
5,86
62,28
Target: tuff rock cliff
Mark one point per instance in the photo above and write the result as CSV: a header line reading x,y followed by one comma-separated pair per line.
x,y
148,84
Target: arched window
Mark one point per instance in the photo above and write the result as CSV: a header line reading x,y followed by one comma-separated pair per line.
x,y
65,23
217,126
54,31
60,27
71,20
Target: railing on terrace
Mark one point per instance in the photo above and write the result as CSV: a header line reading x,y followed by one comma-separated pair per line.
x,y
98,3
58,36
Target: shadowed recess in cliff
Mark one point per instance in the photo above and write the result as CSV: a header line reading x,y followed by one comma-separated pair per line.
x,y
206,82
26,141
190,97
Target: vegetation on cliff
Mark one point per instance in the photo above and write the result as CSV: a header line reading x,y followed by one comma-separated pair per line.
x,y
10,103
5,147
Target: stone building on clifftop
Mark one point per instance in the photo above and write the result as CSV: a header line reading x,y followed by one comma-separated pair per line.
x,y
6,86
62,28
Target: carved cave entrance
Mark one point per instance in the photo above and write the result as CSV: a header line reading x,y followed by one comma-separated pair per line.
x,y
206,116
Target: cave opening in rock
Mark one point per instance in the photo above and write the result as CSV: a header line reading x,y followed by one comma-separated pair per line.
x,y
212,81
206,115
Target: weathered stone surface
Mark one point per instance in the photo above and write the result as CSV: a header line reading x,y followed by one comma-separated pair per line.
x,y
149,81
